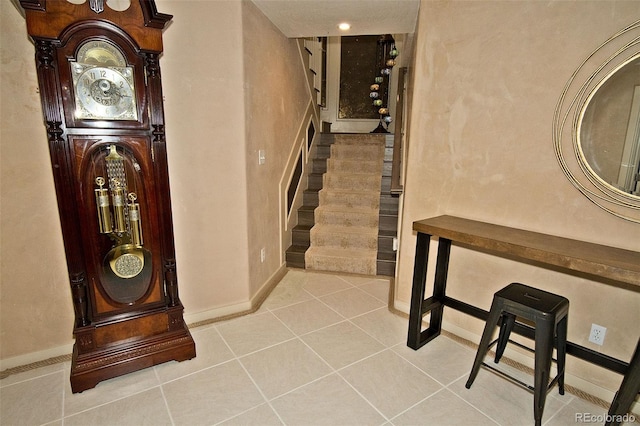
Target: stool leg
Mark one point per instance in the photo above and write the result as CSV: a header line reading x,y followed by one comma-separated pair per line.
x,y
508,320
561,351
492,321
629,388
543,350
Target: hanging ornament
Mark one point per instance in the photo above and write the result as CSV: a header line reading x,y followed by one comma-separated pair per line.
x,y
374,95
377,102
375,87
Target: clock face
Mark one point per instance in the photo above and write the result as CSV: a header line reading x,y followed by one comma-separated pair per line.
x,y
104,86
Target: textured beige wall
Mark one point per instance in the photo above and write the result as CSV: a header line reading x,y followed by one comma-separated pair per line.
x,y
487,77
202,76
276,100
222,103
35,311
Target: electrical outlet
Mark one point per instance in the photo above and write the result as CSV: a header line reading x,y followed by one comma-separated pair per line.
x,y
263,255
597,334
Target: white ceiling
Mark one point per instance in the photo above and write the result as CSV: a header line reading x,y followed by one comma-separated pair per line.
x,y
311,18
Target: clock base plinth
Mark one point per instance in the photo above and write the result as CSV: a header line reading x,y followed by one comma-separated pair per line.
x,y
91,367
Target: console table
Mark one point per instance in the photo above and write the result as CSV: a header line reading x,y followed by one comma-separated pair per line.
x,y
609,265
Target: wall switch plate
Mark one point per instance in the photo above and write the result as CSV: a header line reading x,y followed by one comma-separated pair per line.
x,y
597,334
261,156
263,255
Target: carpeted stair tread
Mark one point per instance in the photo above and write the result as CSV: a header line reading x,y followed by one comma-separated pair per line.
x,y
357,261
353,166
347,210
349,198
354,181
345,235
363,230
349,218
344,252
353,153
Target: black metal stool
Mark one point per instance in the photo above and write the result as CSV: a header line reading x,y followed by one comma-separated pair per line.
x,y
549,313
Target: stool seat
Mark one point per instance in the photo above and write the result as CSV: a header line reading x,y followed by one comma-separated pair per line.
x,y
549,313
533,300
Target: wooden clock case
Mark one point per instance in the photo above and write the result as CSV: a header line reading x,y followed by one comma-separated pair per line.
x,y
136,328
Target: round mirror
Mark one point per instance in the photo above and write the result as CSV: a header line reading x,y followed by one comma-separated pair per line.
x,y
609,129
596,126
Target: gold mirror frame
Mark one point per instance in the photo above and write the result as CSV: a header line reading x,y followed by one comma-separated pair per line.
x,y
596,69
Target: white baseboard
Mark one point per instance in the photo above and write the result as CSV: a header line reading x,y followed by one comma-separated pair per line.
x,y
191,318
239,308
222,311
571,380
39,356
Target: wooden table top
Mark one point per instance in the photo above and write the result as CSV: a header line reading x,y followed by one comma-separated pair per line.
x,y
603,261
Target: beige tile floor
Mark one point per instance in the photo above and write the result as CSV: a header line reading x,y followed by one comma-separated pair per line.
x,y
323,349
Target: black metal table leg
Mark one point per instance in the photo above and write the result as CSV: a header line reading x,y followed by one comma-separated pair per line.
x,y
440,285
628,391
417,290
435,304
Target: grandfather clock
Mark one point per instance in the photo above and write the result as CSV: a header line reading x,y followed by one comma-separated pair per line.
x,y
101,92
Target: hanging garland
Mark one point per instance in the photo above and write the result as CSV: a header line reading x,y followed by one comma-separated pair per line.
x,y
386,60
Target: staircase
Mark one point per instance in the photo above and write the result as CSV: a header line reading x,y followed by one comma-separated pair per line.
x,y
348,219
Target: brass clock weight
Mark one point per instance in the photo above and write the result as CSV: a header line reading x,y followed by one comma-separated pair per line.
x,y
101,93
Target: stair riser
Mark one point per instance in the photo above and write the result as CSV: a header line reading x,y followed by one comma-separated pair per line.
x,y
327,139
349,152
388,223
385,244
310,198
323,152
348,199
387,202
388,154
352,182
355,266
384,268
295,260
353,166
346,219
389,206
314,181
385,185
387,167
300,237
306,217
319,166
326,239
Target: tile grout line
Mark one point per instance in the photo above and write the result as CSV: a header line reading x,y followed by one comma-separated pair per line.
x,y
164,397
337,372
349,319
448,387
64,384
416,404
264,397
